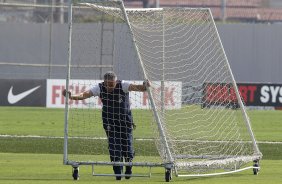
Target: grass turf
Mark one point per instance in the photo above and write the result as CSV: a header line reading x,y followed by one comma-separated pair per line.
x,y
267,125
50,122
48,168
55,146
24,160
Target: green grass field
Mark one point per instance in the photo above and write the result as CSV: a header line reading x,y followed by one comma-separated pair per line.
x,y
48,168
39,160
267,125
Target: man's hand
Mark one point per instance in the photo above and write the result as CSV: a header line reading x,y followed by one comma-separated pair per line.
x,y
133,126
140,87
147,83
65,93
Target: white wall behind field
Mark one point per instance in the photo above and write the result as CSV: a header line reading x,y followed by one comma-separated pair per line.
x,y
253,50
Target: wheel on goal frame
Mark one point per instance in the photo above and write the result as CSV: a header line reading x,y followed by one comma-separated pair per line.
x,y
256,169
75,171
168,175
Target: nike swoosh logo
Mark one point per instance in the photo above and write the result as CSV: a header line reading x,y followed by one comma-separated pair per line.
x,y
12,99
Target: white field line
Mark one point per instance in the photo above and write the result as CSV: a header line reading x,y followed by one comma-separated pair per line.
x,y
103,138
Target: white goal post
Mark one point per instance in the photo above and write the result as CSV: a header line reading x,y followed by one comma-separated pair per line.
x,y
191,120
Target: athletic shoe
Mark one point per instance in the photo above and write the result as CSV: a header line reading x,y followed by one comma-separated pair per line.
x,y
128,171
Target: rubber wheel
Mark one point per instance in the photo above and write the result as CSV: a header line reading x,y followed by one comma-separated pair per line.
x,y
255,170
75,173
167,175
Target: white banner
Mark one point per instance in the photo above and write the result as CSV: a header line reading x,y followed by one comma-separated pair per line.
x,y
139,100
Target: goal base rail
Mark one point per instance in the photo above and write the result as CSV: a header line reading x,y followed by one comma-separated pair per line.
x,y
123,175
150,165
141,164
216,174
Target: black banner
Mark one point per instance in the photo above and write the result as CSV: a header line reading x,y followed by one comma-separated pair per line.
x,y
22,92
264,95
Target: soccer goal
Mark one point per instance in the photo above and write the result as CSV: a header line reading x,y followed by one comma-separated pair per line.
x,y
191,121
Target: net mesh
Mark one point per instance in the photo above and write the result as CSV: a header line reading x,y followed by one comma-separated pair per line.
x,y
197,122
99,38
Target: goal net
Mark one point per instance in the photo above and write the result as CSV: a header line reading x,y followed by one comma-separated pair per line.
x,y
191,119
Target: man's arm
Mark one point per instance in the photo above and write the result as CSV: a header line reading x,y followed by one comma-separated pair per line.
x,y
141,87
81,96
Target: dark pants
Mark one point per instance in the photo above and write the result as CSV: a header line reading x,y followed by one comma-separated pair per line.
x,y
120,142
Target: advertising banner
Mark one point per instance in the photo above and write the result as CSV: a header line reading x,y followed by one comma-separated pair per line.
x,y
138,100
23,92
253,94
55,99
42,93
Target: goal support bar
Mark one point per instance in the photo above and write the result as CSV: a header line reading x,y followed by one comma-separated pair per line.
x,y
67,83
243,109
158,120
